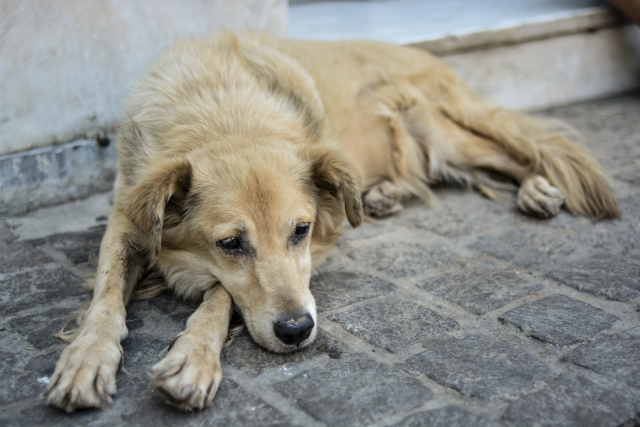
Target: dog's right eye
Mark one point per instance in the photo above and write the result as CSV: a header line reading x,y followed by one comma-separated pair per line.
x,y
231,245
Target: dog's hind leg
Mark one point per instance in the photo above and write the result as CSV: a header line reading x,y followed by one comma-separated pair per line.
x,y
468,153
189,376
547,157
85,374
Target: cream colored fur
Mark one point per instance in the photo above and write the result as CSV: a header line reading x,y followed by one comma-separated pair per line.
x,y
240,157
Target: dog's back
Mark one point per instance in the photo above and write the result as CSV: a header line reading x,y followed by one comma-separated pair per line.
x,y
404,116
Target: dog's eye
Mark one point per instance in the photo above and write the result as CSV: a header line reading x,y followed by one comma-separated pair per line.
x,y
231,245
301,231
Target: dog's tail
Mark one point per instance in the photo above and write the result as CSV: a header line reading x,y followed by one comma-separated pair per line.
x,y
544,148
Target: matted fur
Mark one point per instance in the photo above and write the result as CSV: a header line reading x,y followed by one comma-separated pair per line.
x,y
240,158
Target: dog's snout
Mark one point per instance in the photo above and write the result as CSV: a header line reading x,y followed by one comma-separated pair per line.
x,y
295,329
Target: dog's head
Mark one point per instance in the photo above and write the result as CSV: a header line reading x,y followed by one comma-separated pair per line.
x,y
255,219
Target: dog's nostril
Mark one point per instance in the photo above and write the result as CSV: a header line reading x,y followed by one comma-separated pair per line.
x,y
295,329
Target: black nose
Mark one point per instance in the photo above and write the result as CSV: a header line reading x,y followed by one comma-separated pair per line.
x,y
294,330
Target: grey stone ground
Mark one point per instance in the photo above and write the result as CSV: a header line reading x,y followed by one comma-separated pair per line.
x,y
465,314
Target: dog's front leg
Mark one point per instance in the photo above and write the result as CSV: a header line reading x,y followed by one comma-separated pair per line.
x,y
85,374
189,376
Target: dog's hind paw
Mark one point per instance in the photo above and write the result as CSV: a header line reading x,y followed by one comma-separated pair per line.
x,y
382,200
539,198
85,376
189,376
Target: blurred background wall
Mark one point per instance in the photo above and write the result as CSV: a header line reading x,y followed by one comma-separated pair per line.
x,y
66,66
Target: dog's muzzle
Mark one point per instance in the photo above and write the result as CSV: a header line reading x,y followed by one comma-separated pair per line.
x,y
292,330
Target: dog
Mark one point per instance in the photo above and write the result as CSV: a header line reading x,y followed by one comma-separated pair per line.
x,y
241,156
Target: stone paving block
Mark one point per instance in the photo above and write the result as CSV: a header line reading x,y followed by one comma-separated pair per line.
x,y
44,364
479,366
251,359
142,351
169,303
38,287
449,416
40,328
447,219
233,406
613,277
481,288
616,356
354,390
339,289
534,247
559,320
19,256
394,324
80,247
21,387
573,401
33,412
613,239
5,232
400,260
13,386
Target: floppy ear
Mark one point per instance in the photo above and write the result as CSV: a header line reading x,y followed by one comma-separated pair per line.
x,y
157,200
333,175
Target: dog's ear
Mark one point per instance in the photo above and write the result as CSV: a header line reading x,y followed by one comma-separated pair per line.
x,y
158,199
339,179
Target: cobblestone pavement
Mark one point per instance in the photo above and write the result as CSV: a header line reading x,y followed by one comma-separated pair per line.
x,y
467,313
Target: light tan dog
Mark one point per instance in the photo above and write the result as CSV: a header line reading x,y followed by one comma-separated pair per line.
x,y
239,159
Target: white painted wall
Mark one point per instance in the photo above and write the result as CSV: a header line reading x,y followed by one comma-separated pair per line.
x,y
66,66
556,71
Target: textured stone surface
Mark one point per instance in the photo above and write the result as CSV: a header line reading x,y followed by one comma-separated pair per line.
x,y
233,407
616,356
527,248
335,290
401,260
482,288
447,219
79,247
394,325
19,256
36,287
354,390
41,327
613,277
5,232
573,401
559,320
252,359
479,366
449,416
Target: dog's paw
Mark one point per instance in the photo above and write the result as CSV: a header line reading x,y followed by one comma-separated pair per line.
x,y
85,376
189,376
382,200
539,198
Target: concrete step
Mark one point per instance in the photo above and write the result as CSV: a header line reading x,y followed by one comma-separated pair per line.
x,y
527,55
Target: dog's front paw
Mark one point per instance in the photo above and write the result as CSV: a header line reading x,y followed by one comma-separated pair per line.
x,y
189,376
537,197
85,376
382,200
